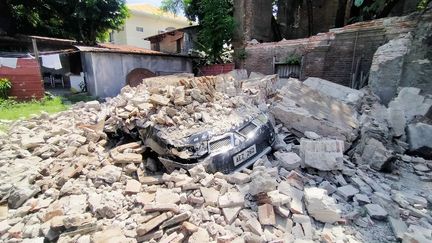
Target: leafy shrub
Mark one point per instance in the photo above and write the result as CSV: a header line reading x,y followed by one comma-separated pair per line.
x,y
5,86
293,59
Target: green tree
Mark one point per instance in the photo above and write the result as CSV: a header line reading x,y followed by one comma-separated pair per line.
x,y
193,9
82,20
216,22
217,27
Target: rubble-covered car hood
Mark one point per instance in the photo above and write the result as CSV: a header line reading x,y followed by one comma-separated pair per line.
x,y
181,120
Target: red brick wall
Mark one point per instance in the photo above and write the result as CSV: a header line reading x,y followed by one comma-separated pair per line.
x,y
26,79
216,69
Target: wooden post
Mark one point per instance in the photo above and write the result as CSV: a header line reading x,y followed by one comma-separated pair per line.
x,y
35,49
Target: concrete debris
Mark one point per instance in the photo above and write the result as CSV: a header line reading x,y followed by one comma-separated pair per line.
x,y
337,91
377,155
320,206
19,195
109,235
312,135
261,181
77,176
199,236
398,226
417,234
419,137
387,66
412,103
375,211
153,223
298,110
324,155
347,192
288,161
266,214
231,199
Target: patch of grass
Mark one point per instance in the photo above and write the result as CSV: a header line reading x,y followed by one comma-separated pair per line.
x,y
12,110
75,98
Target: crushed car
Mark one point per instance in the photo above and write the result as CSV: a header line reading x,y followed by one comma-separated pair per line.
x,y
188,120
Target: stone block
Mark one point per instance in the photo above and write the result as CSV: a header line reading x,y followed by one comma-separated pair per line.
x,y
320,206
419,136
266,214
231,199
153,223
324,155
133,186
347,192
288,161
398,227
298,110
375,211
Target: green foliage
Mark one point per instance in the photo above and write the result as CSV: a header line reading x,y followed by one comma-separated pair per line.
x,y
216,24
422,5
193,9
83,20
75,98
216,27
368,10
5,86
10,109
293,59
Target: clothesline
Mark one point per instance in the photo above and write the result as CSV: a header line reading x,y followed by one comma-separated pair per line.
x,y
31,55
49,60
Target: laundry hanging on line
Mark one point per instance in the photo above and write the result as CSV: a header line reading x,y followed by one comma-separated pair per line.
x,y
52,61
8,62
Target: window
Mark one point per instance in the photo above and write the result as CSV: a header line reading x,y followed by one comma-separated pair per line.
x,y
139,29
179,45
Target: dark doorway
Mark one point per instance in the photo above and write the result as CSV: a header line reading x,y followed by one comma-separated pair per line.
x,y
135,77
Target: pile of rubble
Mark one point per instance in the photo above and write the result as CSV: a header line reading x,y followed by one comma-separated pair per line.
x,y
63,179
183,105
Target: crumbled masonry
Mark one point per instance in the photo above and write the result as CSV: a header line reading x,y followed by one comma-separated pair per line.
x,y
68,177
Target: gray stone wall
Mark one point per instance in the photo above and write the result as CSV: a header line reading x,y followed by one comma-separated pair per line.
x,y
106,72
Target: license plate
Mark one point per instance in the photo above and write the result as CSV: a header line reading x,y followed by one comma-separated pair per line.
x,y
244,155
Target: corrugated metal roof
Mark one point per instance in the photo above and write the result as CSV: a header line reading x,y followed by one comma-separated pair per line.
x,y
114,48
43,38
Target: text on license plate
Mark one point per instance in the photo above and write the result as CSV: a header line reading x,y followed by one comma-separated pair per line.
x,y
244,155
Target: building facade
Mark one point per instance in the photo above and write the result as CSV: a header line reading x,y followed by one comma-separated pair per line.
x,y
179,41
144,21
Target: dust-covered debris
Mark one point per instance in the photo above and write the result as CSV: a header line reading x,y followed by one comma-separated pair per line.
x,y
83,176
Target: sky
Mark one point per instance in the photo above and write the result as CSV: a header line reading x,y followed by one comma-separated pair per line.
x,y
153,2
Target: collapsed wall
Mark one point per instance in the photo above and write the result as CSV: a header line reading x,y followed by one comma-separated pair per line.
x,y
341,53
405,61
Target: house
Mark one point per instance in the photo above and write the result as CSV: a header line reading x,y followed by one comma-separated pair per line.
x,y
25,71
102,70
145,20
181,41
